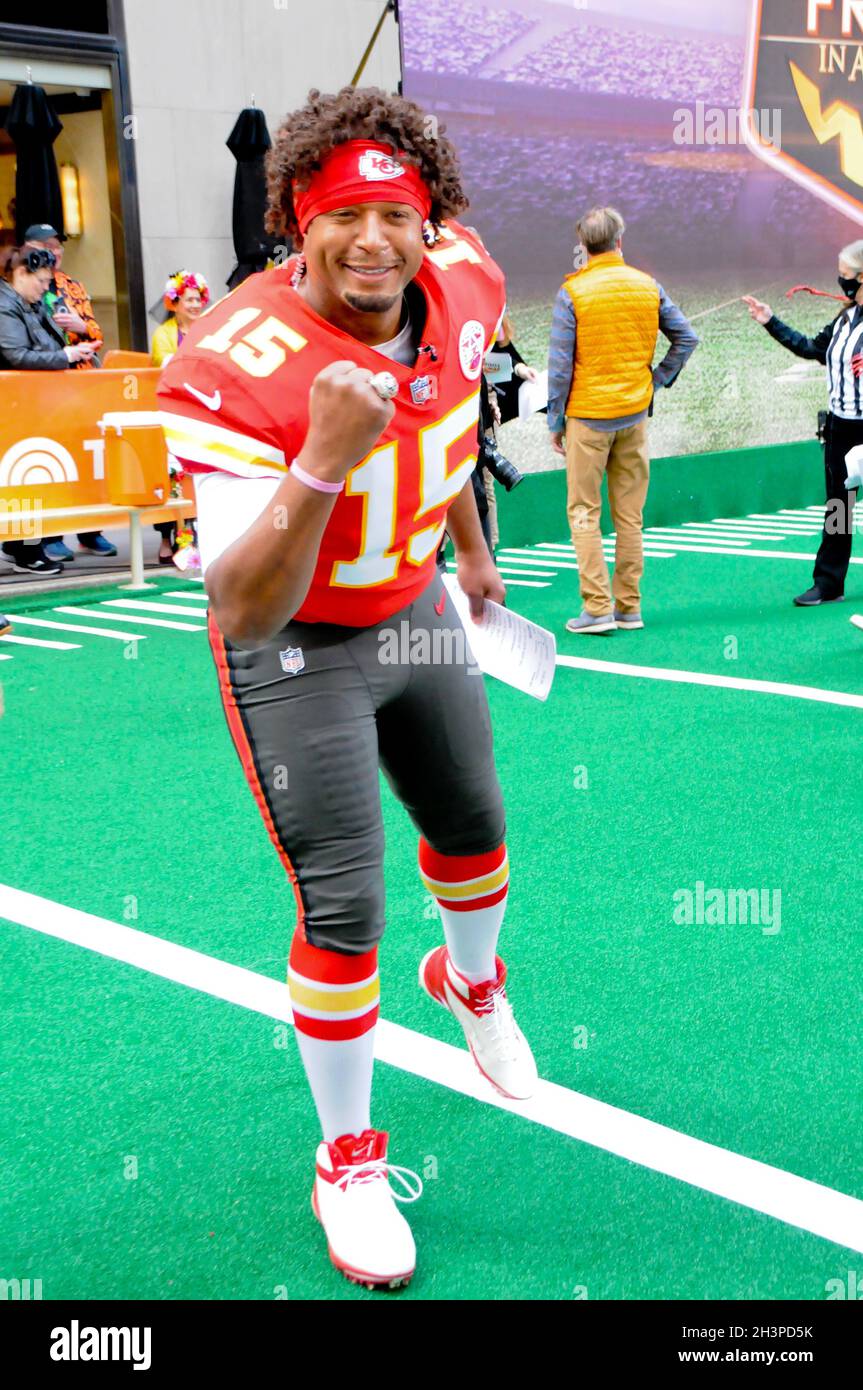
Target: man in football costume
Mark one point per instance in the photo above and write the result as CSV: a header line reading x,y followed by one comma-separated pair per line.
x,y
328,409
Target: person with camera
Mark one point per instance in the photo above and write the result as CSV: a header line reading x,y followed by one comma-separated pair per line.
x,y
607,316
29,341
839,346
498,404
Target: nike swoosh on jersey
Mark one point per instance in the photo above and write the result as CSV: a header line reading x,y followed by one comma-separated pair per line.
x,y
211,402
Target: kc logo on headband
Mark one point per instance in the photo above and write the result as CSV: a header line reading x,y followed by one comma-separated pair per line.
x,y
374,165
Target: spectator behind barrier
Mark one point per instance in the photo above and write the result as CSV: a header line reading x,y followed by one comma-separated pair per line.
x,y
186,296
68,304
66,300
29,339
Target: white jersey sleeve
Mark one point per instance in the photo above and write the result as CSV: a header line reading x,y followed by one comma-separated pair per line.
x,y
226,508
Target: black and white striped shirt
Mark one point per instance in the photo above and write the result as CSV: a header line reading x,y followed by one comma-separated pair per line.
x,y
836,345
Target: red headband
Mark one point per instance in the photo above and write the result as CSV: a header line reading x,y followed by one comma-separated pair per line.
x,y
360,172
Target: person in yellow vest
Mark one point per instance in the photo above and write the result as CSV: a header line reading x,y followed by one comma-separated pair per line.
x,y
601,383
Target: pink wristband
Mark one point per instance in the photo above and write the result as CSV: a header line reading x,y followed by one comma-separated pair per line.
x,y
311,481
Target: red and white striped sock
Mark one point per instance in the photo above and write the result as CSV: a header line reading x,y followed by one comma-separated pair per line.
x,y
335,1001
470,890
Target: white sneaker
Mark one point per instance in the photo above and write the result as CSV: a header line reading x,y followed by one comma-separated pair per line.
x,y
496,1042
367,1236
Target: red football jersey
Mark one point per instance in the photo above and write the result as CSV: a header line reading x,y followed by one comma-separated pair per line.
x,y
235,398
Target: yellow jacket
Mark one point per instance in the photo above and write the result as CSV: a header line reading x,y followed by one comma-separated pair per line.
x,y
165,341
617,320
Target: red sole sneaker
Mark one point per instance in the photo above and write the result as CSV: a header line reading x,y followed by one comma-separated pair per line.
x,y
359,1276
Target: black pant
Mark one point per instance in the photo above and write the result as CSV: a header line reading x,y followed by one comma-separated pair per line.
x,y
834,552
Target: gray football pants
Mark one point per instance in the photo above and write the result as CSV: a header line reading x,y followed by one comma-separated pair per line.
x,y
402,695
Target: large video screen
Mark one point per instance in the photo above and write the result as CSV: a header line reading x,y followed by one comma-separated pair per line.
x,y
557,106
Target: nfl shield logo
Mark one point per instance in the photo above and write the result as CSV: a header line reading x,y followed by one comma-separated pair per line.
x,y
804,64
422,390
292,660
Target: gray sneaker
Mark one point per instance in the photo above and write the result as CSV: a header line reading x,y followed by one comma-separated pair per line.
x,y
588,623
632,621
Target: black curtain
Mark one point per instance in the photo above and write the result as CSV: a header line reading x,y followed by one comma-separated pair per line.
x,y
33,126
253,246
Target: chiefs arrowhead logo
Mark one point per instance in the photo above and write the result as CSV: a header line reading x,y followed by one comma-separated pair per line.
x,y
805,65
374,165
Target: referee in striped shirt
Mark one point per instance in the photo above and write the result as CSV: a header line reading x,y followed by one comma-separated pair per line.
x,y
839,346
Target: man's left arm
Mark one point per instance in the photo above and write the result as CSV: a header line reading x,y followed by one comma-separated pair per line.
x,y
79,303
476,571
680,333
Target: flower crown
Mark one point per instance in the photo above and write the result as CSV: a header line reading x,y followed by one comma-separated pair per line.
x,y
185,280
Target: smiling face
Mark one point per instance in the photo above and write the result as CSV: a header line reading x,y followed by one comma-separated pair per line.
x,y
189,305
360,259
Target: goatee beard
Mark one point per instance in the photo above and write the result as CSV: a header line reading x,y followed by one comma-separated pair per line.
x,y
372,303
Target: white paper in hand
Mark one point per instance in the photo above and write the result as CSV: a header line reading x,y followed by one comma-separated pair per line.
x,y
506,645
532,396
854,467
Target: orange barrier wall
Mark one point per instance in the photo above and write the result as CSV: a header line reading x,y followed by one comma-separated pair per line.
x,y
52,452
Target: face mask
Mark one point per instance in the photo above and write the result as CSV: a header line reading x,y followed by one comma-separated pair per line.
x,y
849,287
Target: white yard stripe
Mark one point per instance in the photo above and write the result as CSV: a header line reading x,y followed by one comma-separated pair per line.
x,y
150,622
76,627
181,593
750,552
539,555
41,642
773,523
721,533
5,656
668,535
796,1201
527,584
667,673
146,606
536,574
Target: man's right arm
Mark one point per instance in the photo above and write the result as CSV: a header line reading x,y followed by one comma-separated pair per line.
x,y
259,581
561,364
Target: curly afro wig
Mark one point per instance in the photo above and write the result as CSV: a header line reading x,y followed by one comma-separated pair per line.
x,y
358,113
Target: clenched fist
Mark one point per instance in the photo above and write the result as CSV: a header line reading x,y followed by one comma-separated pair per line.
x,y
346,419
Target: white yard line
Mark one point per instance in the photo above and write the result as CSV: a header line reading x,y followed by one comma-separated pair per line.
x,y
40,642
76,627
146,606
506,569
809,1206
150,622
667,673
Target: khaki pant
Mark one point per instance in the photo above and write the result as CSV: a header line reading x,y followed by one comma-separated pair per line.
x,y
623,456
